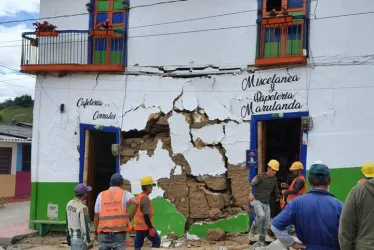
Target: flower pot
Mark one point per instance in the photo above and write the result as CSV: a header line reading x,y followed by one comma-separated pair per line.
x,y
102,33
46,33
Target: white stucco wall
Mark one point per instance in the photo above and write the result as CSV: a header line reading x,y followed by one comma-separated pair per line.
x,y
336,87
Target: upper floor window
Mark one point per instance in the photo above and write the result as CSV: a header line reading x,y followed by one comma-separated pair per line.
x,y
282,33
109,50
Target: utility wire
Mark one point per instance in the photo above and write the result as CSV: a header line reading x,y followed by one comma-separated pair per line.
x,y
86,13
15,85
139,6
6,67
222,28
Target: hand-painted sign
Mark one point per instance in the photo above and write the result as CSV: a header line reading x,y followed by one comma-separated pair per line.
x,y
98,115
251,158
273,100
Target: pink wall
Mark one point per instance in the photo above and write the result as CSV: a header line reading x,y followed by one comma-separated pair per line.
x,y
23,183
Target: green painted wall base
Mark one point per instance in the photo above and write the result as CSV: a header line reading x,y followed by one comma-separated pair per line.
x,y
342,181
167,218
50,192
236,224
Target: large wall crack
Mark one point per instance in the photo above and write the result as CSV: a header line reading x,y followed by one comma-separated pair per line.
x,y
198,198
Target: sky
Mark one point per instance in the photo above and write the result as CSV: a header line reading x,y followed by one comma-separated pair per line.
x,y
13,83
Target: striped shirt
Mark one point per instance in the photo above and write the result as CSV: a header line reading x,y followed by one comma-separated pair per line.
x,y
78,221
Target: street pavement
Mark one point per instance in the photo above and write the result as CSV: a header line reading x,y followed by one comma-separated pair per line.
x,y
14,222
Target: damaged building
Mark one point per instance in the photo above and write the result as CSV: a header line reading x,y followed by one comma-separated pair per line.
x,y
184,95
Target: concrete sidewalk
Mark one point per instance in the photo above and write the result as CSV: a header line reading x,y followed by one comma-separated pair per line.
x,y
14,222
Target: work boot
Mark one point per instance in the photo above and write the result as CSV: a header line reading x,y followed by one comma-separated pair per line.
x,y
261,241
258,245
251,238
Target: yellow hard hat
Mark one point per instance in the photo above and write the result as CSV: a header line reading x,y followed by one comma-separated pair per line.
x,y
297,166
147,181
274,164
368,169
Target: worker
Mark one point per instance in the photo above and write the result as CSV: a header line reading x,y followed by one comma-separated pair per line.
x,y
77,220
111,218
315,215
356,230
367,171
297,187
265,184
144,226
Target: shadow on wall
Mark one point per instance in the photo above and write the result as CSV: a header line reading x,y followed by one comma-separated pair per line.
x,y
342,181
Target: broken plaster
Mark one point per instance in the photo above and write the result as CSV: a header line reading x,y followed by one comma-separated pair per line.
x,y
158,165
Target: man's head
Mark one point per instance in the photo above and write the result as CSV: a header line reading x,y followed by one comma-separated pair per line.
x,y
81,191
319,176
368,170
296,168
273,167
116,180
147,184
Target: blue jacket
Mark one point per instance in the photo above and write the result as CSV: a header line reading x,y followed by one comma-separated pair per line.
x,y
316,217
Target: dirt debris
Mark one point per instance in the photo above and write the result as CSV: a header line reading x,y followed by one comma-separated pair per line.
x,y
215,234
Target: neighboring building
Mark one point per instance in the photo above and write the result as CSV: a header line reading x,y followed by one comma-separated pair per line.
x,y
15,159
186,87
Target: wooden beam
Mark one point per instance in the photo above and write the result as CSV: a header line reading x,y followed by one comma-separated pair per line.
x,y
86,157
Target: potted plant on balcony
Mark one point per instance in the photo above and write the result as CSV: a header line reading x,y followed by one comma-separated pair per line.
x,y
104,29
45,29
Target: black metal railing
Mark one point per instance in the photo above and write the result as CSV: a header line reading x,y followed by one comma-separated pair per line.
x,y
74,47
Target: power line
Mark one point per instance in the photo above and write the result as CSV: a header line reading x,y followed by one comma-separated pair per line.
x,y
139,6
173,22
15,85
86,13
223,28
17,79
15,70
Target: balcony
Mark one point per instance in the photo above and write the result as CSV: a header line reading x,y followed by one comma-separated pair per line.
x,y
73,51
282,41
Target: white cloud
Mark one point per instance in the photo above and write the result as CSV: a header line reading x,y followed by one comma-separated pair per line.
x,y
13,84
11,7
10,45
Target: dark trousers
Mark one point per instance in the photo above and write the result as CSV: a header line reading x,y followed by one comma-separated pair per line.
x,y
141,235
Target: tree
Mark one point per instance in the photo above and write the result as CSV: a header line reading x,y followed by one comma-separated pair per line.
x,y
24,101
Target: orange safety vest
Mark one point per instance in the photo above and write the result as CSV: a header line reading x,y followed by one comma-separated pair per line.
x,y
290,197
139,216
112,218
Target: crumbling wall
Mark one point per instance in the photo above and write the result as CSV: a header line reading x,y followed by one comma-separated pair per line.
x,y
198,195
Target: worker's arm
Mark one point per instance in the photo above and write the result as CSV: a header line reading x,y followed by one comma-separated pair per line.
x,y
134,208
299,184
276,190
85,226
145,207
348,223
252,184
96,222
68,239
97,212
279,225
129,198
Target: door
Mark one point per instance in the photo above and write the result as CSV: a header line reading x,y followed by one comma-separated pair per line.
x,y
99,163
